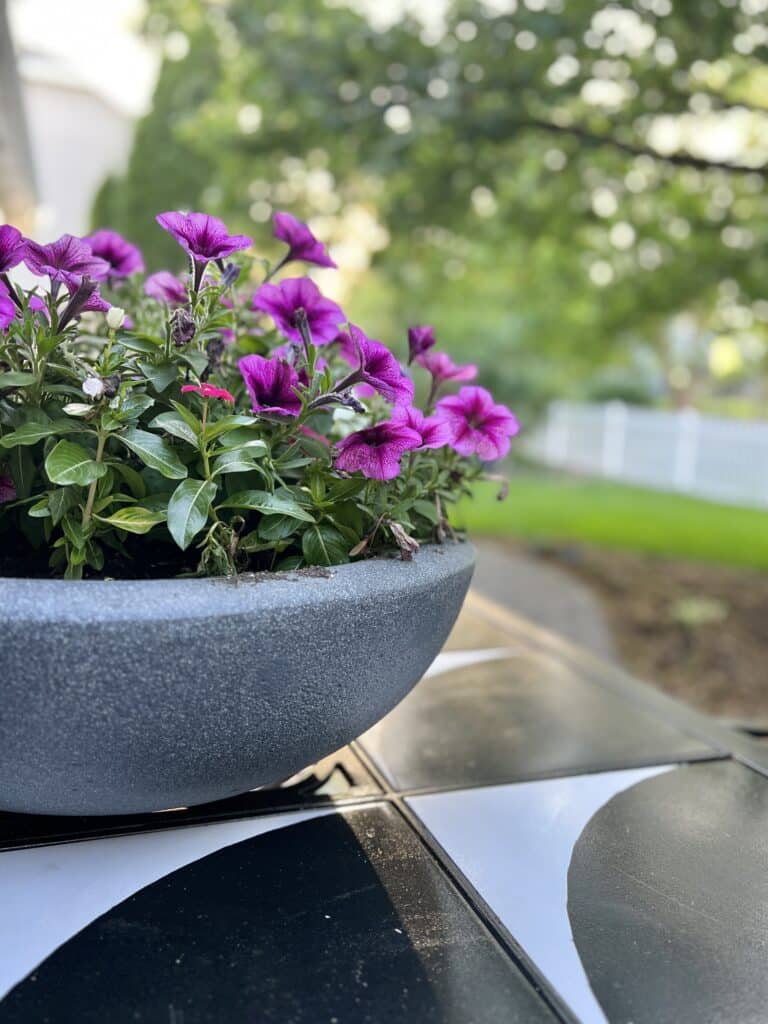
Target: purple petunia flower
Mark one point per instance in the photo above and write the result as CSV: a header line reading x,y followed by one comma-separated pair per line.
x,y
302,244
478,425
166,287
376,366
420,339
204,237
7,311
435,431
123,257
285,300
271,384
376,451
7,489
442,367
12,247
67,259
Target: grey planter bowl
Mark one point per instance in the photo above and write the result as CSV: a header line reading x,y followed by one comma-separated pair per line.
x,y
129,696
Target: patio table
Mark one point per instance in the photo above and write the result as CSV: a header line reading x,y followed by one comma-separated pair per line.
x,y
530,836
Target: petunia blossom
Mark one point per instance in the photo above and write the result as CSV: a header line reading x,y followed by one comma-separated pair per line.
x,y
7,307
376,451
435,431
442,367
12,247
420,339
166,287
206,390
302,244
295,294
202,236
375,366
7,312
478,425
67,259
7,489
123,257
271,384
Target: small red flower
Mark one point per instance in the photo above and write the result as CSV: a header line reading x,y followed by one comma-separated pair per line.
x,y
208,391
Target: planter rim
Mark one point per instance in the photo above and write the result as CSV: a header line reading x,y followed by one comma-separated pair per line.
x,y
24,599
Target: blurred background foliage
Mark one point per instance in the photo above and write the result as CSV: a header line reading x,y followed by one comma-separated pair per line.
x,y
572,192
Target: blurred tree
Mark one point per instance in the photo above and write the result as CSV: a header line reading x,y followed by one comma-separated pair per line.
x,y
543,179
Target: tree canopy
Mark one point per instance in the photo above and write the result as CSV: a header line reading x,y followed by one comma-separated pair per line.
x,y
548,182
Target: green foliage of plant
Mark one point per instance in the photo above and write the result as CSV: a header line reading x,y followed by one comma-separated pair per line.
x,y
514,158
120,456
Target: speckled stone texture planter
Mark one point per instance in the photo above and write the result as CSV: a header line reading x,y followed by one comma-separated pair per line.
x,y
128,696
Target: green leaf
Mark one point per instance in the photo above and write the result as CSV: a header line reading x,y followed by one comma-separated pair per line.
x,y
172,423
427,510
255,449
146,344
226,424
69,464
131,477
188,510
324,545
31,433
134,519
134,405
188,416
160,375
22,467
268,504
16,379
239,437
154,452
277,527
237,461
60,502
40,509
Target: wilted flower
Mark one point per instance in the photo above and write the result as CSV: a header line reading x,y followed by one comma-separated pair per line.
x,y
183,327
202,236
420,339
67,259
376,367
166,287
271,384
376,451
301,242
7,489
12,247
478,425
435,431
208,391
123,257
285,302
442,367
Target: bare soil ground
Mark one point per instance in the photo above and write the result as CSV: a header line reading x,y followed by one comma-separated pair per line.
x,y
697,631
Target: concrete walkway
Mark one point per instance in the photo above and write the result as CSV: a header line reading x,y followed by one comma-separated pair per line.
x,y
545,594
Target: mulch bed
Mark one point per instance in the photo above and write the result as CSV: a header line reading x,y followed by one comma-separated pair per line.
x,y
697,631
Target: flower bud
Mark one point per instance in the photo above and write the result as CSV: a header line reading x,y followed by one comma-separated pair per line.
x,y
115,317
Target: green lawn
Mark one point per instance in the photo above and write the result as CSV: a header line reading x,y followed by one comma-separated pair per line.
x,y
556,507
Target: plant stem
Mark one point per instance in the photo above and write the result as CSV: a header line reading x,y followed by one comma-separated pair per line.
x,y
88,511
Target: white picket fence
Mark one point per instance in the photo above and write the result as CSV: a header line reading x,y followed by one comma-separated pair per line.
x,y
724,460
